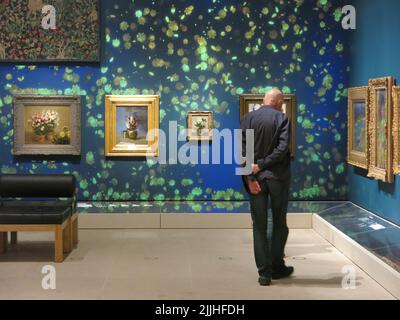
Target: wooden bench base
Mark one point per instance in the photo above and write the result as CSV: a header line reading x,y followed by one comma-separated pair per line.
x,y
14,238
66,236
3,242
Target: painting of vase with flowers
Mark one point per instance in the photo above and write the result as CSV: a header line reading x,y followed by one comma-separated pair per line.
x,y
47,125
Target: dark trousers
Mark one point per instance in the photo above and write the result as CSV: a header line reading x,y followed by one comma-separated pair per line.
x,y
270,257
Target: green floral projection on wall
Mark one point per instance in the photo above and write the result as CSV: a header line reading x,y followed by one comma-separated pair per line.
x,y
199,55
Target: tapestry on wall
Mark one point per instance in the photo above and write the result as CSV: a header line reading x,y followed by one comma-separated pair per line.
x,y
50,31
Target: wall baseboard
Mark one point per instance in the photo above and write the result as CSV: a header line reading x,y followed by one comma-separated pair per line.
x,y
182,221
119,221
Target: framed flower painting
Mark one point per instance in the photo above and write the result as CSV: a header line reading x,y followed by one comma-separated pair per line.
x,y
47,125
200,126
132,124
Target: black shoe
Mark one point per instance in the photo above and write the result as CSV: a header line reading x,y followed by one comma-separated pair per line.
x,y
282,272
264,281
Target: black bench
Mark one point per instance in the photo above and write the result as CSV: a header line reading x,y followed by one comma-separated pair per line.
x,y
39,203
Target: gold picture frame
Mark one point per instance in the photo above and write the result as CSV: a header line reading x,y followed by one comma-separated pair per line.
x,y
396,130
131,126
380,164
357,143
200,125
251,102
47,125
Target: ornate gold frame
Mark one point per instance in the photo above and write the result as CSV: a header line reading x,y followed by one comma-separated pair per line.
x,y
357,158
291,104
383,174
207,114
149,101
396,130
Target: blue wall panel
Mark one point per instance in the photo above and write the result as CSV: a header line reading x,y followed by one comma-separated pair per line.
x,y
375,53
200,55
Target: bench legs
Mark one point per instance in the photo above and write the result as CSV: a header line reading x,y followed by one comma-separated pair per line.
x,y
67,237
58,244
3,242
74,231
14,238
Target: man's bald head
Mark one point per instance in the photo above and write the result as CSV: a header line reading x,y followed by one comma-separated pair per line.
x,y
274,98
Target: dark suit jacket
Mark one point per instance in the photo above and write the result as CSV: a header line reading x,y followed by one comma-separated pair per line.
x,y
271,143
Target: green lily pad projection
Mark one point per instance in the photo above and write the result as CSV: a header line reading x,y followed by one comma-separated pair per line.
x,y
51,30
199,56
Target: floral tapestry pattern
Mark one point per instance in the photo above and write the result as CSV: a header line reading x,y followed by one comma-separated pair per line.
x,y
73,37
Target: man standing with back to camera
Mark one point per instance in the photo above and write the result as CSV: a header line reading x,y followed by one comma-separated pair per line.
x,y
270,178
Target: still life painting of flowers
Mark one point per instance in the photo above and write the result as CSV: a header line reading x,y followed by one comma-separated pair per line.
x,y
132,126
73,37
200,125
47,126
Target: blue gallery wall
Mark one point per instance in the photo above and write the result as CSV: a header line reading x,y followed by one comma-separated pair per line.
x,y
374,53
199,55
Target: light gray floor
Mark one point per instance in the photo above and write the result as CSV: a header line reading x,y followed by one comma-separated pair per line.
x,y
177,264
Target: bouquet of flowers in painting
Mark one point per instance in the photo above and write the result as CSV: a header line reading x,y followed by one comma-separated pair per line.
x,y
63,138
44,126
47,125
200,125
131,128
52,30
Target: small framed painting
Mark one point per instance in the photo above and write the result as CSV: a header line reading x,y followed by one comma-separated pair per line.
x,y
252,102
47,125
131,126
396,130
380,164
200,126
358,104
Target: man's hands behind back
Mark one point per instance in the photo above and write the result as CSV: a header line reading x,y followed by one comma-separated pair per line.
x,y
254,187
